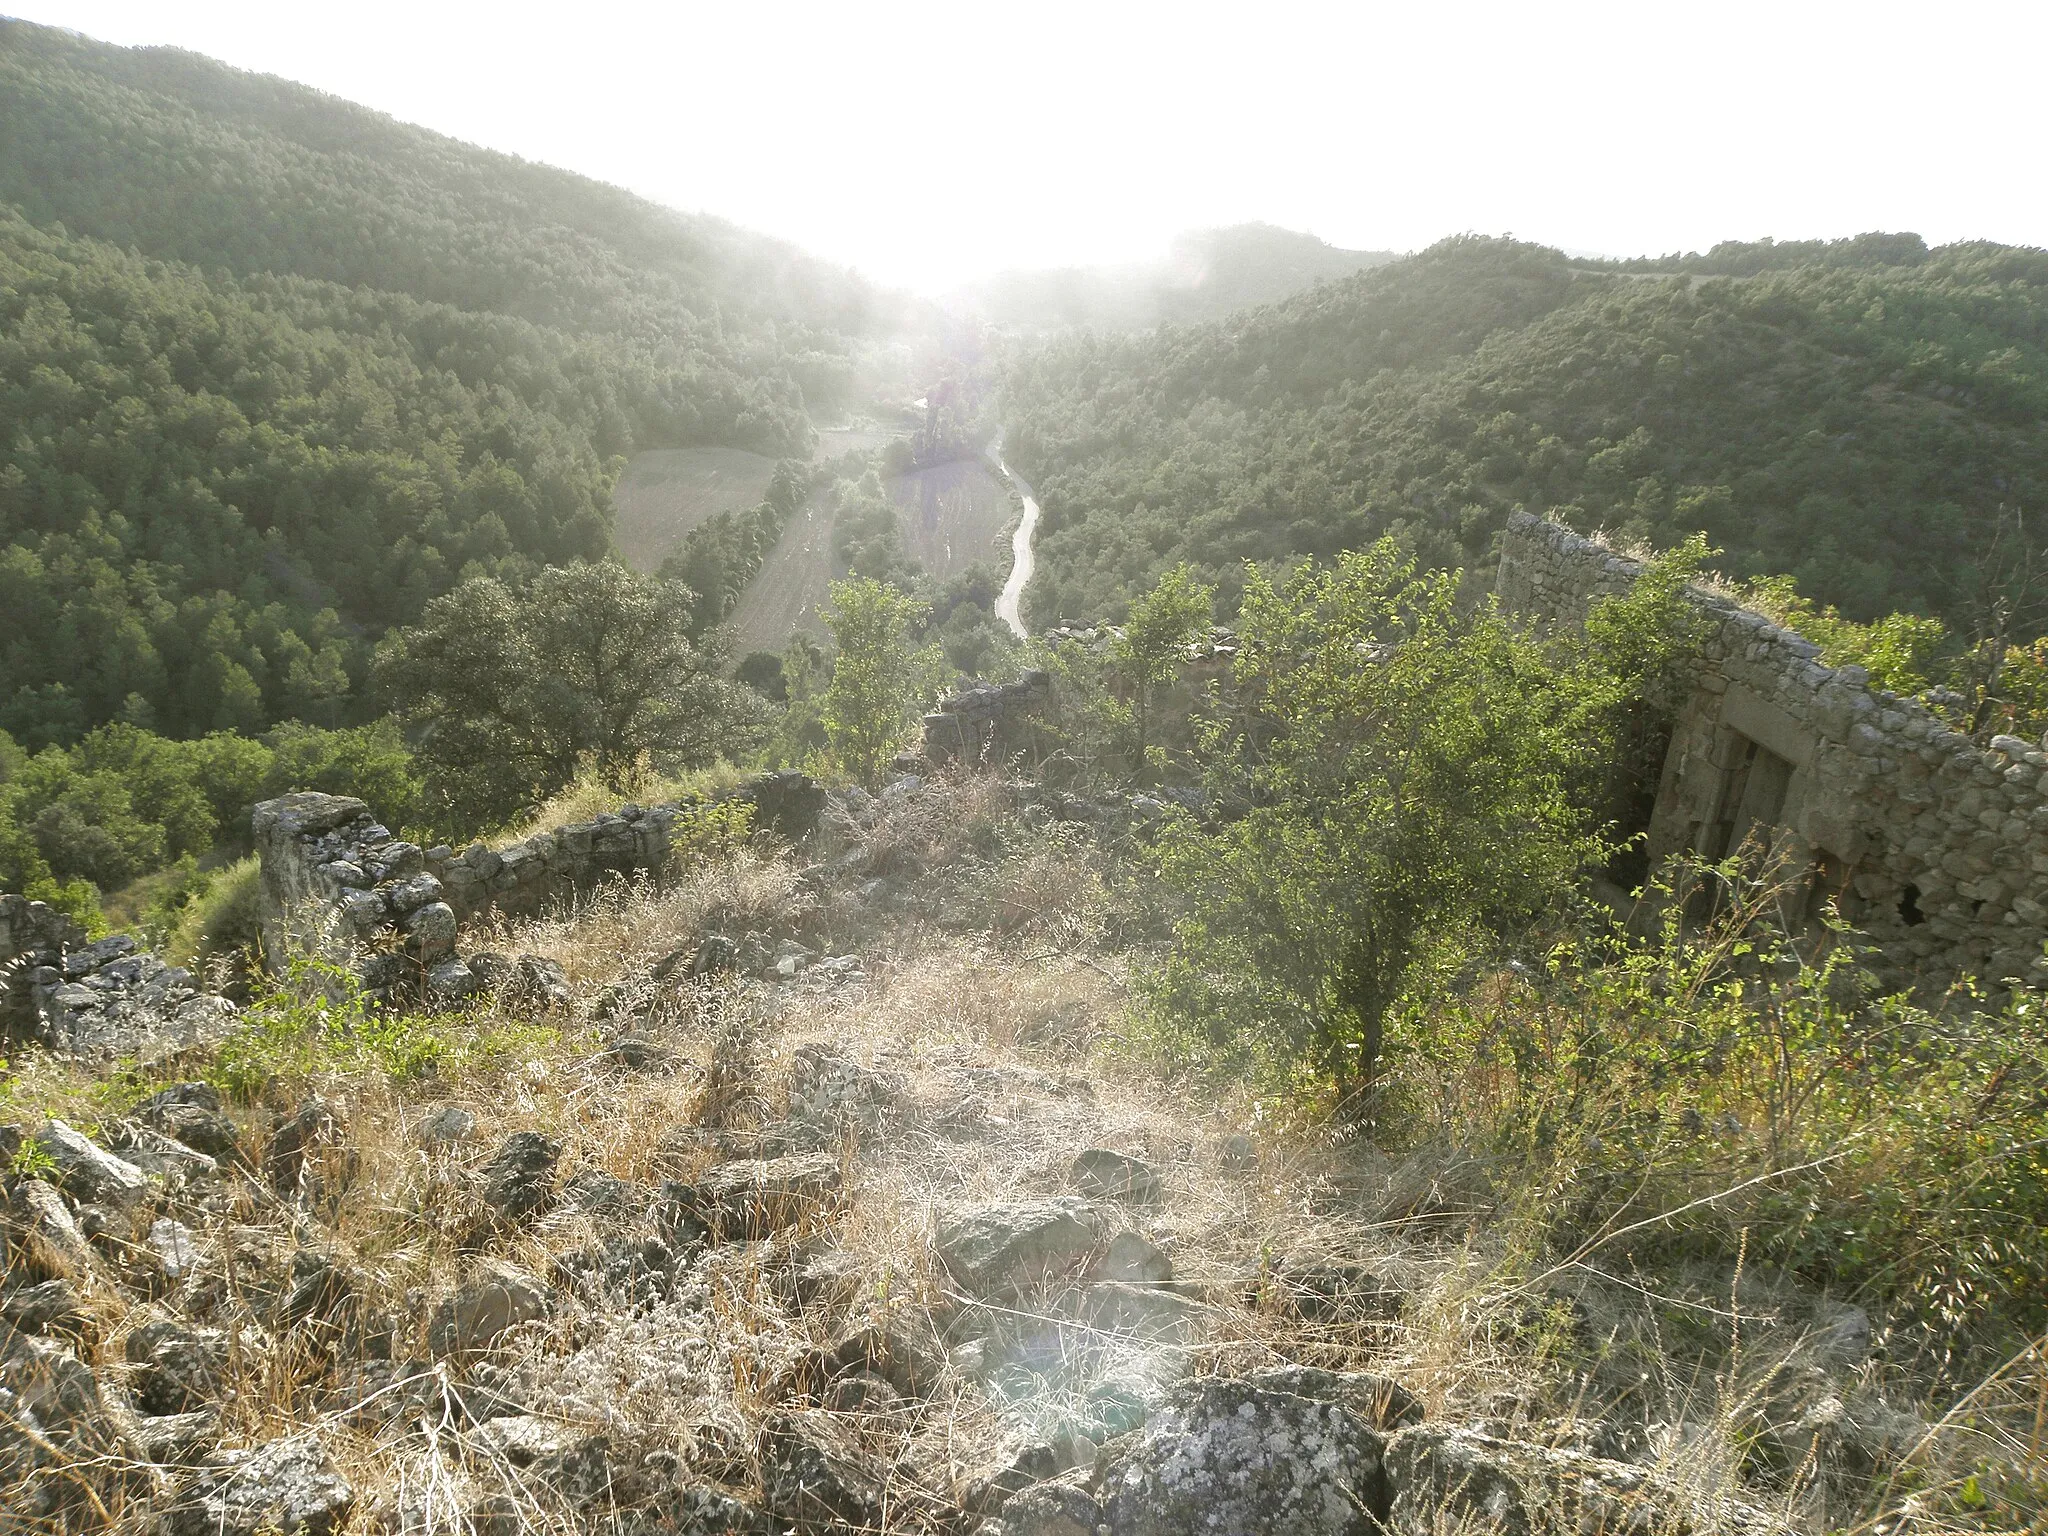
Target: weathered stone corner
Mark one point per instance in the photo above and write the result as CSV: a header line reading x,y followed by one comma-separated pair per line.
x,y
1933,845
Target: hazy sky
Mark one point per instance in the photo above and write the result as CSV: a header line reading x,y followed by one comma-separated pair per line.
x,y
928,144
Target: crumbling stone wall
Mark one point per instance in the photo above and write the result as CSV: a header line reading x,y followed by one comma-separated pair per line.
x,y
986,722
1935,846
336,883
99,999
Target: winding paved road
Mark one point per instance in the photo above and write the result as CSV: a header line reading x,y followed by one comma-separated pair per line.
x,y
1010,606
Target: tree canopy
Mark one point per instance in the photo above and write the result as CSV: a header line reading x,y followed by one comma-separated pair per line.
x,y
1855,417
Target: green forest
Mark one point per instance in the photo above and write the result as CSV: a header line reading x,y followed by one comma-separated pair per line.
x,y
1862,416
277,371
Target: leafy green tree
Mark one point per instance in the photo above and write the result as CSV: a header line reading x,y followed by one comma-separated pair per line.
x,y
881,678
587,667
1153,647
1402,769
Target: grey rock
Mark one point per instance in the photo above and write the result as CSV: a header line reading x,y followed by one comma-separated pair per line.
x,y
446,1126
1441,1476
89,1172
752,1198
1225,1457
475,1315
995,1248
1102,1174
519,1180
290,1487
1134,1259
814,1484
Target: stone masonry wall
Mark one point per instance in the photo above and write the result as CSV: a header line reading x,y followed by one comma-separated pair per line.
x,y
103,999
336,883
1936,847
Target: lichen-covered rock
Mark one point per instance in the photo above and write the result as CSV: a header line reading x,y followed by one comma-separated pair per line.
x,y
473,1316
89,1172
752,1198
288,1487
1225,1458
995,1248
1442,1476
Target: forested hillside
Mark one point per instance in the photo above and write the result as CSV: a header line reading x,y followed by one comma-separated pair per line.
x,y
1205,275
1855,415
278,370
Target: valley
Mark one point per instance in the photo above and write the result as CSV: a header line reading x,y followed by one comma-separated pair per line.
x,y
649,888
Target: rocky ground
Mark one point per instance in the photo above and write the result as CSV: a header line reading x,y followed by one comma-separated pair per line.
x,y
815,1192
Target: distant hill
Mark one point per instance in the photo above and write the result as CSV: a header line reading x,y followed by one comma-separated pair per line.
x,y
277,369
1204,276
1854,413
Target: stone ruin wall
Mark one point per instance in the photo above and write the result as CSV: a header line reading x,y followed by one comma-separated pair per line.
x,y
336,882
1936,847
102,999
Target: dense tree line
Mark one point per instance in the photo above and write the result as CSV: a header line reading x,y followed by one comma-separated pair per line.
x,y
1856,419
187,159
721,555
277,371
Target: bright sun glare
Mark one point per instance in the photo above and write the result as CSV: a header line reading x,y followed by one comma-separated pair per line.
x,y
930,144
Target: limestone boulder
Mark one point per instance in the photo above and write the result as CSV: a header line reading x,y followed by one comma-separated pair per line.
x,y
1225,1457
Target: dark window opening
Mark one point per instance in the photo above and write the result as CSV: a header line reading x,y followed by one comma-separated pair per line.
x,y
1909,907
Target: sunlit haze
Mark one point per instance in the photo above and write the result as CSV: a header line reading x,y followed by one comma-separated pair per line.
x,y
931,144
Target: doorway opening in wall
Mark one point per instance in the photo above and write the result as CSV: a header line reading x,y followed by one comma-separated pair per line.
x,y
1752,798
1631,799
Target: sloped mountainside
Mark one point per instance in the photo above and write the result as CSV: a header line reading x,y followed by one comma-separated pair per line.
x,y
1863,416
1205,275
277,370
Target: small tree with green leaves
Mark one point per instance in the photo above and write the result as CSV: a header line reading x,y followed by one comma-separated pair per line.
x,y
1149,654
587,668
881,678
1401,770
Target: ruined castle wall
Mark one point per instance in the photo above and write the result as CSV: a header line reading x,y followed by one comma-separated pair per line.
x,y
1936,847
337,883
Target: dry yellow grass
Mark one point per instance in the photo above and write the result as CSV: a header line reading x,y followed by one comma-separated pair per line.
x,y
998,1047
